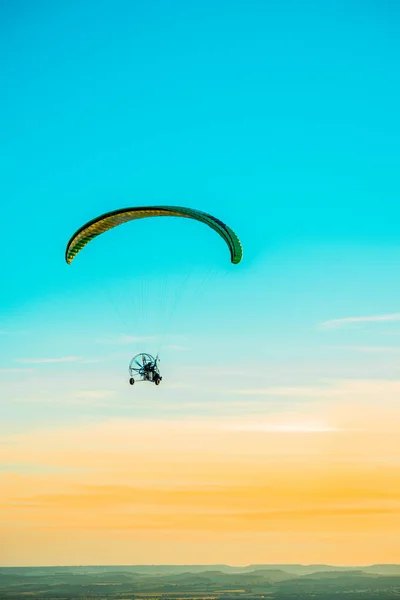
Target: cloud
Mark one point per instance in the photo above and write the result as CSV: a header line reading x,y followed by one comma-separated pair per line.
x,y
282,428
89,361
63,359
180,385
295,391
377,349
175,347
90,398
342,391
94,394
336,323
12,332
16,370
125,339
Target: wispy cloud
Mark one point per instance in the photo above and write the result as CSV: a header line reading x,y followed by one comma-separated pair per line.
x,y
180,385
125,339
295,391
12,332
341,390
16,370
62,359
372,349
89,361
282,427
94,394
336,323
175,347
88,398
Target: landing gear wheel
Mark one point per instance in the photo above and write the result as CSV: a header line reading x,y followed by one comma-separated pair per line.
x,y
157,380
131,381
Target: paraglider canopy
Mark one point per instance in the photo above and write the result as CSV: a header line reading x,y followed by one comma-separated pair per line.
x,y
111,219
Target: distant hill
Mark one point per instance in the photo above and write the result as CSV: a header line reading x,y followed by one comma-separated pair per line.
x,y
342,574
383,569
296,569
283,582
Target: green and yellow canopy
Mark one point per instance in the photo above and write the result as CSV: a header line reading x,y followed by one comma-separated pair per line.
x,y
111,219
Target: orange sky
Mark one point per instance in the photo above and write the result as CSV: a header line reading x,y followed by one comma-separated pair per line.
x,y
318,485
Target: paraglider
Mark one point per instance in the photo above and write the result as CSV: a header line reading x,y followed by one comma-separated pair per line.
x,y
144,367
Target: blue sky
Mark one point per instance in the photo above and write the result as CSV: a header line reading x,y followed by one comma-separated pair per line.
x,y
280,118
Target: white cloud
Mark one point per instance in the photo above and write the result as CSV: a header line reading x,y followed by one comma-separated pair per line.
x,y
98,394
295,391
89,361
377,349
336,323
62,359
175,347
283,428
16,370
125,339
12,332
341,389
178,385
90,398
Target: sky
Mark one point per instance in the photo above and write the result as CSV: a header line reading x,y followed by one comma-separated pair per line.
x,y
274,435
